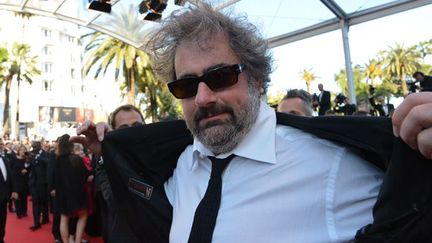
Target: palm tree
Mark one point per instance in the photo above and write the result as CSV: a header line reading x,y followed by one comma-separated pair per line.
x,y
373,70
361,87
3,59
22,67
308,76
425,48
158,101
104,51
399,62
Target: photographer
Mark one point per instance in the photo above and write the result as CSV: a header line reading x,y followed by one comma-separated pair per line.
x,y
343,105
425,81
380,108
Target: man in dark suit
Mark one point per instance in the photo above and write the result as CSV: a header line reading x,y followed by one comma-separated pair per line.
x,y
324,100
5,189
39,185
381,107
425,81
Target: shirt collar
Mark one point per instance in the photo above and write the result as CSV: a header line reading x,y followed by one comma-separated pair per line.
x,y
258,144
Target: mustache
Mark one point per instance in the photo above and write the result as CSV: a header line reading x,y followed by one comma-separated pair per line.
x,y
204,112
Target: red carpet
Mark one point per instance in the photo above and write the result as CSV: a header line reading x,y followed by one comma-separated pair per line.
x,y
17,230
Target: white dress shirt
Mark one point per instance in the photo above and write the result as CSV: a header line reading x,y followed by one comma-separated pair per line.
x,y
284,185
3,169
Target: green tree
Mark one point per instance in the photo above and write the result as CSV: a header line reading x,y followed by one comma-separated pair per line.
x,y
400,62
273,100
3,60
103,51
373,71
22,66
308,76
424,48
158,102
361,87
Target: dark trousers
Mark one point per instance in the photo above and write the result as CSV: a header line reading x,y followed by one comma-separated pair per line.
x,y
21,204
106,219
55,230
40,205
3,214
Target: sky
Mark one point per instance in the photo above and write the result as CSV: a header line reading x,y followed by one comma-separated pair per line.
x,y
324,53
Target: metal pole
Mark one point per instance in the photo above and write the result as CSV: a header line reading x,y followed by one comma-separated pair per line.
x,y
349,72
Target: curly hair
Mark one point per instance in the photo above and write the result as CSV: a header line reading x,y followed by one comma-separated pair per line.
x,y
199,24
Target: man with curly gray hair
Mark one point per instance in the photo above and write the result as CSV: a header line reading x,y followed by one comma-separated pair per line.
x,y
219,66
248,174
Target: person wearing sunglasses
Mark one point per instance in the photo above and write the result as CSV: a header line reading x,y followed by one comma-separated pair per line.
x,y
243,176
283,184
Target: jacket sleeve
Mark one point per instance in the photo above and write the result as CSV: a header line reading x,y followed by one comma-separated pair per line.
x,y
11,181
138,161
51,173
403,211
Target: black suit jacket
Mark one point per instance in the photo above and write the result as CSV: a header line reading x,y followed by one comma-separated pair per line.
x,y
139,160
38,170
6,186
380,108
426,84
324,103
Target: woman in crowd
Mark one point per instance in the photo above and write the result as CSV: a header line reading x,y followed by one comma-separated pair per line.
x,y
71,176
21,172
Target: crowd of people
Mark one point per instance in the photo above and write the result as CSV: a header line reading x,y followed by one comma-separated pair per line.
x,y
67,180
300,102
54,174
234,170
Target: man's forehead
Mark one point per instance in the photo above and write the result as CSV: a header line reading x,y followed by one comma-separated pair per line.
x,y
126,116
195,58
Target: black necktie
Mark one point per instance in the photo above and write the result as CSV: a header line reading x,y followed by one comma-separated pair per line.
x,y
207,210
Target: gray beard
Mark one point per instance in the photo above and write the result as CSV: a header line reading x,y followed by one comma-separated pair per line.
x,y
223,136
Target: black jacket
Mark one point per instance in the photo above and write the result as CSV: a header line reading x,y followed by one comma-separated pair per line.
x,y
139,160
426,84
324,103
6,187
380,108
20,180
38,169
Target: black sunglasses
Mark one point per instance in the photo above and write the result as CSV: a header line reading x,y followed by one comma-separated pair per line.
x,y
215,79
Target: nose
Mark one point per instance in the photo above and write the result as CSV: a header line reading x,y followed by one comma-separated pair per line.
x,y
204,96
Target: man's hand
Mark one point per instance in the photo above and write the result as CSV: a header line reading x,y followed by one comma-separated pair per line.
x,y
14,195
52,193
93,136
412,121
